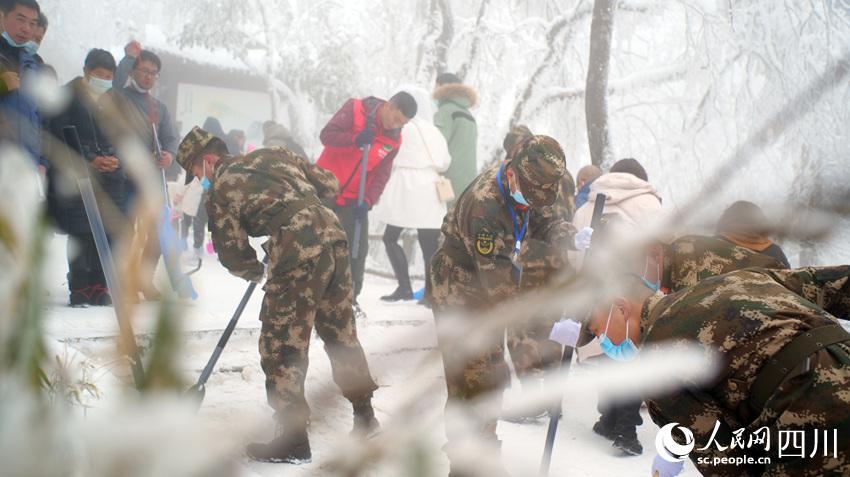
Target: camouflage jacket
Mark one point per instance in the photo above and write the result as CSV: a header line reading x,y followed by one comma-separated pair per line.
x,y
693,258
270,192
473,266
745,317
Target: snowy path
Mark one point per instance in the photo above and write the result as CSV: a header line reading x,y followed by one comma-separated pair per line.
x,y
396,339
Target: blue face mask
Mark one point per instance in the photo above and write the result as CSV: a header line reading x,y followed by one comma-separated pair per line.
x,y
31,47
516,195
625,351
205,182
11,41
518,198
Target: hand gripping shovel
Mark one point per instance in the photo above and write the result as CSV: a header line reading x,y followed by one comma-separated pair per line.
x,y
198,391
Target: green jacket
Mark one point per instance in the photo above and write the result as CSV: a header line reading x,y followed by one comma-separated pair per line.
x,y
458,126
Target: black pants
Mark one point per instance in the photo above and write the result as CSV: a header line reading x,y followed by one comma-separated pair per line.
x,y
84,267
345,214
199,226
623,416
428,239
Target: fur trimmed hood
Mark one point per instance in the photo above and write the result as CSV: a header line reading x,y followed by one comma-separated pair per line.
x,y
456,91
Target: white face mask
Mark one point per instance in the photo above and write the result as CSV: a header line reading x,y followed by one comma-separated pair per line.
x,y
97,86
136,86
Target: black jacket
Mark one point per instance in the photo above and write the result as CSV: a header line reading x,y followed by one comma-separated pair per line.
x,y
64,201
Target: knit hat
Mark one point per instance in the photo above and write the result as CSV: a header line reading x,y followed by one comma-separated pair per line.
x,y
540,164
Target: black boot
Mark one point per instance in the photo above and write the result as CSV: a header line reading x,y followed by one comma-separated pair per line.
x,y
365,423
100,296
627,441
81,297
291,447
603,428
398,295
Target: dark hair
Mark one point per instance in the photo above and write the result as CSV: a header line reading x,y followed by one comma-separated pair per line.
x,y
8,5
630,166
405,102
42,20
447,78
743,217
147,55
98,58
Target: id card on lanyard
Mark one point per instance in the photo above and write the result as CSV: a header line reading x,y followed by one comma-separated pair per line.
x,y
519,231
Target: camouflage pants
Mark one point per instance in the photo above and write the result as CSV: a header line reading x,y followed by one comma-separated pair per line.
x,y
471,379
316,292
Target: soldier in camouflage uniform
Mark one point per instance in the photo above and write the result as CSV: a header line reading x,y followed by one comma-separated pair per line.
x,y
529,347
784,364
510,215
273,192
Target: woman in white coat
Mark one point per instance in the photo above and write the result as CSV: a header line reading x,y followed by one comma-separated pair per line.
x,y
410,198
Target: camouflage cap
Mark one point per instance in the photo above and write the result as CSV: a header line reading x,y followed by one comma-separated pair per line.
x,y
192,145
540,165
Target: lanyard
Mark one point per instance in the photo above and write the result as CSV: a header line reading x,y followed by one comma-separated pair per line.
x,y
519,232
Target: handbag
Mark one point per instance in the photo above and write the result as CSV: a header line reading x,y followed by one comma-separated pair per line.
x,y
445,191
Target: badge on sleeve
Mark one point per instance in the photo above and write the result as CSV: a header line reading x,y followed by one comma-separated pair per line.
x,y
485,243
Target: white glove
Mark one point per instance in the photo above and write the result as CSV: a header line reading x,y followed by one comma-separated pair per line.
x,y
663,468
582,238
565,332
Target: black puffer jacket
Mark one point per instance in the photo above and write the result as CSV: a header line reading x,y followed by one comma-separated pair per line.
x,y
64,201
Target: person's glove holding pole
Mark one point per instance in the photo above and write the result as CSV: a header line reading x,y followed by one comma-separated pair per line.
x,y
365,138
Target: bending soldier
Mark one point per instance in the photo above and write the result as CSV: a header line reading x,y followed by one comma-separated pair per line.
x,y
275,193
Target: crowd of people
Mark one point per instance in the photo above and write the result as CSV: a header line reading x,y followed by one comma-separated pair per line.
x,y
487,237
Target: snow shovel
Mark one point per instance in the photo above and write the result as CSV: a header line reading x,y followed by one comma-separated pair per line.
x,y
104,253
361,191
198,391
168,239
566,358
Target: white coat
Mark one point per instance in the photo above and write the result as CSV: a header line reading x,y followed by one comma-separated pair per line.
x,y
410,197
627,196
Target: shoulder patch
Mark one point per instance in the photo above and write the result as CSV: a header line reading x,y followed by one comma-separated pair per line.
x,y
485,243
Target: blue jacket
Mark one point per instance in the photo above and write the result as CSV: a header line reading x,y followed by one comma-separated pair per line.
x,y
22,120
583,194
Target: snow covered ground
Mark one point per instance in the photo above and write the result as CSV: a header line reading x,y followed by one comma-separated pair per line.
x,y
397,338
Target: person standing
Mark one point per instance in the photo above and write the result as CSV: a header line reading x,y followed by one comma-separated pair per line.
x,y
510,214
86,281
363,123
410,199
134,79
458,126
21,120
275,193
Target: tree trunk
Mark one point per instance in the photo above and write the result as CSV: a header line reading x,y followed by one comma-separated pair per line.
x,y
596,98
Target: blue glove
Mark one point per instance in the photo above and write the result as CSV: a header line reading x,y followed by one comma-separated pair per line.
x,y
361,211
582,238
366,137
662,468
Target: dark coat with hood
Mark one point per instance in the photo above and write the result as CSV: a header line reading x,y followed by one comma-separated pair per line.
x,y
65,204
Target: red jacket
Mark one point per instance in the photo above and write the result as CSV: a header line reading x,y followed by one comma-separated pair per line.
x,y
342,157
